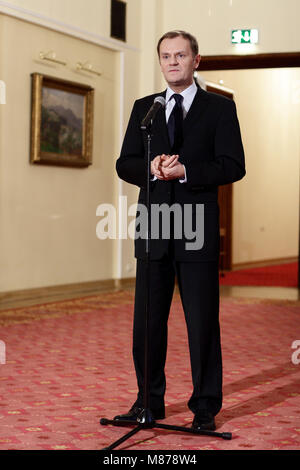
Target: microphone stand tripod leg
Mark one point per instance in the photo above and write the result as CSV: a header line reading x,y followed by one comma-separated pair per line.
x,y
124,438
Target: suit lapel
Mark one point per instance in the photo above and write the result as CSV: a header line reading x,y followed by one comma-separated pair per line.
x,y
160,125
197,108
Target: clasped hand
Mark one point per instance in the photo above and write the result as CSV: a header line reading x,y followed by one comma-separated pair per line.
x,y
167,167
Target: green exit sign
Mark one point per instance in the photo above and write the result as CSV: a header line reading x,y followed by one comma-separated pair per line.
x,y
244,36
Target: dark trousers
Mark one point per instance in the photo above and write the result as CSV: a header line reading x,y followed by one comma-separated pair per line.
x,y
199,290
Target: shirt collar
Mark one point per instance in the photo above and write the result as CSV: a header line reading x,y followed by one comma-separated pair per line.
x,y
188,94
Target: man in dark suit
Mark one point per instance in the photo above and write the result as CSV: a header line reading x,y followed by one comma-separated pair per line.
x,y
196,146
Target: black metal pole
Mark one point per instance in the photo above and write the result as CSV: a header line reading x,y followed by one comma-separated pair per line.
x,y
147,417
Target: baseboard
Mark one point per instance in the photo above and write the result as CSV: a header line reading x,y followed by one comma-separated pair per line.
x,y
12,299
262,263
37,295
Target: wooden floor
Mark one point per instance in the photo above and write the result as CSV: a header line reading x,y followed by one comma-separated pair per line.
x,y
59,293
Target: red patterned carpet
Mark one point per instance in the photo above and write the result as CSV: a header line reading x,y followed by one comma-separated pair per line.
x,y
69,363
281,275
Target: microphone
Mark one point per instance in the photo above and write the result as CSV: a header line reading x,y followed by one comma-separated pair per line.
x,y
159,102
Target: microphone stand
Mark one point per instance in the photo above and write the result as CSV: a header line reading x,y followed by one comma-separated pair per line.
x,y
145,419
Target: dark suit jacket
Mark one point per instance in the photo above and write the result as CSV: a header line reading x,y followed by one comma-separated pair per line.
x,y
212,153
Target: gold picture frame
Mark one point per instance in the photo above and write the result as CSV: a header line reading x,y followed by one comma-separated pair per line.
x,y
61,122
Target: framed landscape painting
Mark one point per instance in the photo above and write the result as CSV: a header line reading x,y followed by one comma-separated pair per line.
x,y
61,122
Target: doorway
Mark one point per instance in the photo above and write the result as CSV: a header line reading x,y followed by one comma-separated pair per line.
x,y
264,61
224,200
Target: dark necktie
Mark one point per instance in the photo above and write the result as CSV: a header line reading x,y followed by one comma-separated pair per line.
x,y
175,124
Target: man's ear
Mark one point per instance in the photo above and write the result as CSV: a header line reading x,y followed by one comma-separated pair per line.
x,y
197,61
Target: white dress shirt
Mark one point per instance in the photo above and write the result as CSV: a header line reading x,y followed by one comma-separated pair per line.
x,y
188,96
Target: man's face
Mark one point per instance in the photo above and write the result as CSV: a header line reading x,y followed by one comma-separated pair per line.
x,y
177,62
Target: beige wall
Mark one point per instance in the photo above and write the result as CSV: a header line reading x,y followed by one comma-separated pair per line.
x,y
88,17
266,201
48,214
212,21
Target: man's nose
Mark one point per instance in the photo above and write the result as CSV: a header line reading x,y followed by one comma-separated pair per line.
x,y
173,59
